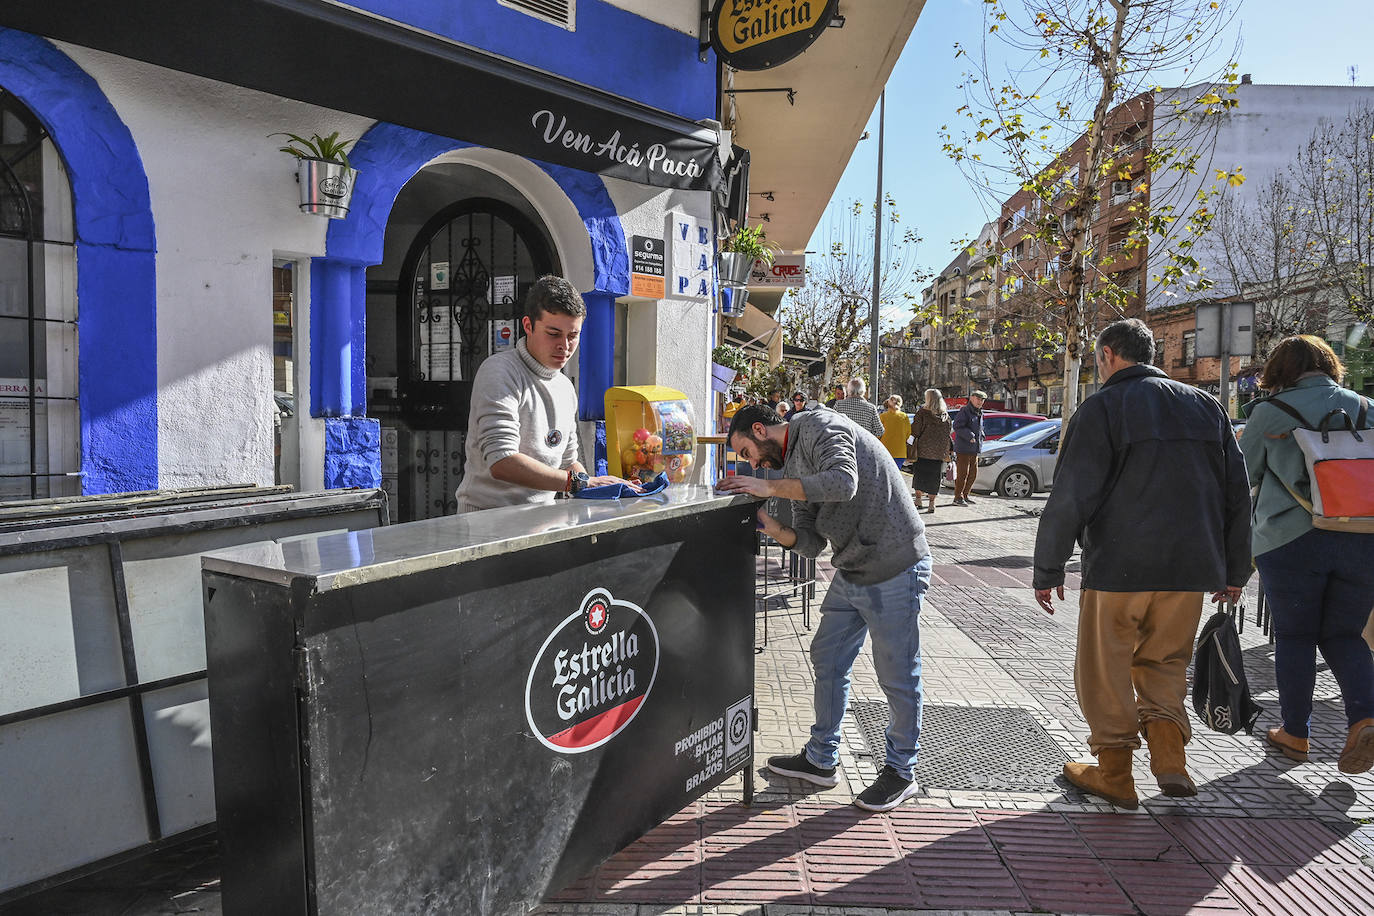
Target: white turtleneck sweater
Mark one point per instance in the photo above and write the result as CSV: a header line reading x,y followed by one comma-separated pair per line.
x,y
518,405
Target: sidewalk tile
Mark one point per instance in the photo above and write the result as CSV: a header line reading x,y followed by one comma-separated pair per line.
x,y
1128,836
1064,884
1172,888
1260,841
1274,891
1033,833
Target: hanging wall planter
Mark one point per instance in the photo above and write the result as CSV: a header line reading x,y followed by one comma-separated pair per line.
x,y
732,301
326,187
326,180
738,252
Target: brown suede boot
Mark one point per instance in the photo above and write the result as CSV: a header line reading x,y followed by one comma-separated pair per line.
x,y
1109,779
1167,759
1358,755
1291,747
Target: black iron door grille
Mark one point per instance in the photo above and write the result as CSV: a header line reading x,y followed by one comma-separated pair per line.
x,y
459,301
39,426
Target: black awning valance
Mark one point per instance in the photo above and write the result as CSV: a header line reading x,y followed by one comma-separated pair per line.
x,y
337,57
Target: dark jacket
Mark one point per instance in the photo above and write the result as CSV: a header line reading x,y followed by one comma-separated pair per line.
x,y
1151,482
968,430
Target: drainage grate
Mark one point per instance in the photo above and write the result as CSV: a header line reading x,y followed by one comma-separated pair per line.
x,y
991,748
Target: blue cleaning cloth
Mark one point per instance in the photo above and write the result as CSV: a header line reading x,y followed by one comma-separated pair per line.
x,y
618,490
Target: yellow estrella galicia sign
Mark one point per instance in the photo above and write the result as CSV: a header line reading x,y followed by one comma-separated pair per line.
x,y
758,34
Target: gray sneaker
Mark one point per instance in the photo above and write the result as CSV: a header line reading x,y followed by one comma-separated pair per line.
x,y
798,767
887,792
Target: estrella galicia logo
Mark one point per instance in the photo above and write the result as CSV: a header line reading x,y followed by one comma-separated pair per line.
x,y
554,437
592,674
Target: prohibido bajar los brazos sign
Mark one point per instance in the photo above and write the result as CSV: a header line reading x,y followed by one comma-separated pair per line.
x,y
592,674
758,34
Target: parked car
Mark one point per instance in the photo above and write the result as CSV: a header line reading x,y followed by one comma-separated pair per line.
x,y
1021,462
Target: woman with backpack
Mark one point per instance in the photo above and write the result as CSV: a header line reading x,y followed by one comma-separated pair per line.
x,y
1319,581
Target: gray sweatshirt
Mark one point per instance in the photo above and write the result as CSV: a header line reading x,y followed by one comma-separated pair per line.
x,y
855,498
518,405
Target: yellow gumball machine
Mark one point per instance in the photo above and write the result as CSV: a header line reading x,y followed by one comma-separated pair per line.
x,y
649,431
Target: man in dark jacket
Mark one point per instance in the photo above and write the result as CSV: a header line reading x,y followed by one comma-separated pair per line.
x,y
1151,482
968,442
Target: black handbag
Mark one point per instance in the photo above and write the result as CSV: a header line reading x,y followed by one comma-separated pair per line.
x,y
1221,695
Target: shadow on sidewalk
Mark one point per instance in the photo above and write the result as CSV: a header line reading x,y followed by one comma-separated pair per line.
x,y
818,853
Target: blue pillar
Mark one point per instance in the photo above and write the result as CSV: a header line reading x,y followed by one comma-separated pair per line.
x,y
336,342
596,365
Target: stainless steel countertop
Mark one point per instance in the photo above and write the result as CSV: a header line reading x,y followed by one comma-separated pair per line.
x,y
352,558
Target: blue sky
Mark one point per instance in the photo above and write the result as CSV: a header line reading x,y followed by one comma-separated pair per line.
x,y
1283,43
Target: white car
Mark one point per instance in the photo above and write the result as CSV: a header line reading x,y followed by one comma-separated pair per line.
x,y
1021,462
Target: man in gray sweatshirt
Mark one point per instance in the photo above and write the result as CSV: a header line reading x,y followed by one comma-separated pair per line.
x,y
846,490
522,432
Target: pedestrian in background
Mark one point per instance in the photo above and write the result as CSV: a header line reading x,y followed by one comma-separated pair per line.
x,y
930,447
798,403
856,408
896,429
845,491
1152,484
968,442
836,395
1319,584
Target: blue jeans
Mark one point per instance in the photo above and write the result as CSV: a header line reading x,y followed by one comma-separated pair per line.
x,y
1321,589
891,612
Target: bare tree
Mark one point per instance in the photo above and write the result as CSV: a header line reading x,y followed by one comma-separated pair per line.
x,y
1268,247
830,313
1335,176
1077,63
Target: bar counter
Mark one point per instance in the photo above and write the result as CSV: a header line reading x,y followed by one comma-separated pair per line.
x,y
466,714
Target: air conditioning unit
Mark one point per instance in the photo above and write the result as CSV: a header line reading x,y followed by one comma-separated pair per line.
x,y
1120,188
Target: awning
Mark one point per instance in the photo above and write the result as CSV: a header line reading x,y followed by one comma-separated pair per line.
x,y
341,58
754,331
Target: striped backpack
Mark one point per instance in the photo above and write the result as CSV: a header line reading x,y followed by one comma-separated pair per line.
x,y
1339,453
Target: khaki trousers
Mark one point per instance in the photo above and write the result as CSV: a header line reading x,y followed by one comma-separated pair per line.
x,y
965,473
1132,662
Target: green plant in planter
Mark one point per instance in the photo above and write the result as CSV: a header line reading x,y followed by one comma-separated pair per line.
x,y
330,148
730,357
750,241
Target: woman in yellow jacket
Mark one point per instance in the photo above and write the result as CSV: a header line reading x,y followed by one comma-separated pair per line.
x,y
896,429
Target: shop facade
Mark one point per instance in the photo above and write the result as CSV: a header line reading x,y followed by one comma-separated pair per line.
x,y
150,219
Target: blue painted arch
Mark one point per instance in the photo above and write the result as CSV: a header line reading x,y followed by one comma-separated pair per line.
x,y
387,157
115,262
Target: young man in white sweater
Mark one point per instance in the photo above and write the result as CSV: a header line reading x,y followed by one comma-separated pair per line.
x,y
522,431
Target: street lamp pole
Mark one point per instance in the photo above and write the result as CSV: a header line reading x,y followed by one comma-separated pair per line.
x,y
873,311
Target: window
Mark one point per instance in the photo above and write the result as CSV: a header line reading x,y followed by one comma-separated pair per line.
x,y
1189,348
1159,352
40,431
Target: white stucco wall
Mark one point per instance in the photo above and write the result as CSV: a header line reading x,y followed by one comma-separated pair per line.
x,y
682,15
668,342
225,203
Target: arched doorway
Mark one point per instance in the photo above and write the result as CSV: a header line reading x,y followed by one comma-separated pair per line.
x,y
40,429
455,299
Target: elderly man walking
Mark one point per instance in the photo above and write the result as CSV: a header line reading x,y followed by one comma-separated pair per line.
x,y
968,443
1151,482
846,489
857,408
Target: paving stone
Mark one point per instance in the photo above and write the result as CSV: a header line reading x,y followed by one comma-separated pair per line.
x,y
1269,890
1033,833
1067,884
1129,837
1260,841
1172,888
